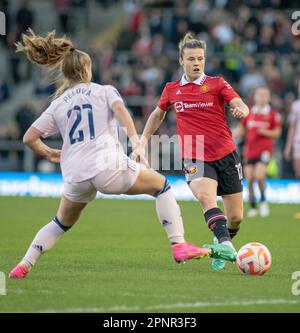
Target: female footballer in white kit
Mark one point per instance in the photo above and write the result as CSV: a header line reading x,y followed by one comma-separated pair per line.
x,y
91,157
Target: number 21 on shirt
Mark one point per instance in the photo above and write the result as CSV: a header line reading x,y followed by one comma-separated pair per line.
x,y
86,110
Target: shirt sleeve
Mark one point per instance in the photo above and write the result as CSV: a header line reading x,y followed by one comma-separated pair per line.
x,y
226,91
164,102
112,96
46,123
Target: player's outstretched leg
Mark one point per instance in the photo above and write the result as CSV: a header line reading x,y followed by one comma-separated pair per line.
x,y
205,190
43,241
233,206
168,211
47,237
169,216
217,264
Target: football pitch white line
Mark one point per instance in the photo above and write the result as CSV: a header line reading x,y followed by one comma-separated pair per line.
x,y
178,306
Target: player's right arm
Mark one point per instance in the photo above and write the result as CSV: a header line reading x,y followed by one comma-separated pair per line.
x,y
43,127
32,140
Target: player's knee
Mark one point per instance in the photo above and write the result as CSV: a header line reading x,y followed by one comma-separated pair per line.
x,y
204,198
235,218
158,189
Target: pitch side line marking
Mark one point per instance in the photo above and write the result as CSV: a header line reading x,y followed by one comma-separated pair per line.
x,y
178,306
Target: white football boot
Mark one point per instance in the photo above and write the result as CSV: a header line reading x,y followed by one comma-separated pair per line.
x,y
264,209
252,212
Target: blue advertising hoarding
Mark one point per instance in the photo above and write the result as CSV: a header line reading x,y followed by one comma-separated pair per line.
x,y
51,185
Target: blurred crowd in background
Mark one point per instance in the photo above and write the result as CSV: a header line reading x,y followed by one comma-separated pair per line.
x,y
249,42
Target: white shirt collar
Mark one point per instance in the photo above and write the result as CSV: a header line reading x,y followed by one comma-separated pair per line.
x,y
265,110
199,81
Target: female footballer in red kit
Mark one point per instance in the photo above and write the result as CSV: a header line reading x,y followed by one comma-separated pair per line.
x,y
260,129
211,164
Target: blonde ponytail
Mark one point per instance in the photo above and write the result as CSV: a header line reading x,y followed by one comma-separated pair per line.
x,y
48,51
53,52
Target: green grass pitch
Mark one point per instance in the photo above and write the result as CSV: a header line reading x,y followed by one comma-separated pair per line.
x,y
117,259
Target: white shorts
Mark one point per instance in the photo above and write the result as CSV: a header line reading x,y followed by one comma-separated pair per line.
x,y
107,182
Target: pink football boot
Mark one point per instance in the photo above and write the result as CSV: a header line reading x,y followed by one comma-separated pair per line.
x,y
19,272
186,251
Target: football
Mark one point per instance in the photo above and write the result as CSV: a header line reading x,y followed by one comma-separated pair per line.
x,y
253,259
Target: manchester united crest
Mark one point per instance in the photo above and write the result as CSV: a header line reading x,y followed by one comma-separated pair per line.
x,y
204,88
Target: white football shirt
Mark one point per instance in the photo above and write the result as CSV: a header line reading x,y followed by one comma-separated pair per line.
x,y
84,118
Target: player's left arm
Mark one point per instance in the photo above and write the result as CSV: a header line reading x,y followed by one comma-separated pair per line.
x,y
238,108
275,131
125,119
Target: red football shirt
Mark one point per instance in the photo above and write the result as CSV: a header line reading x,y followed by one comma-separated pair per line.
x,y
256,144
200,115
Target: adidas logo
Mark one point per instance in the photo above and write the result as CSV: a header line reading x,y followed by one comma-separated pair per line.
x,y
178,92
165,222
38,247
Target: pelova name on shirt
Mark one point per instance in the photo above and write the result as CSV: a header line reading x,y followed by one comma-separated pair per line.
x,y
75,92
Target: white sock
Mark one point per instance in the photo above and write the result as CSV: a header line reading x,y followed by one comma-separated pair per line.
x,y
169,216
43,241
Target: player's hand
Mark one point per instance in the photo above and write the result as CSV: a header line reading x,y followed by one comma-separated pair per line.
x,y
53,155
237,112
138,155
